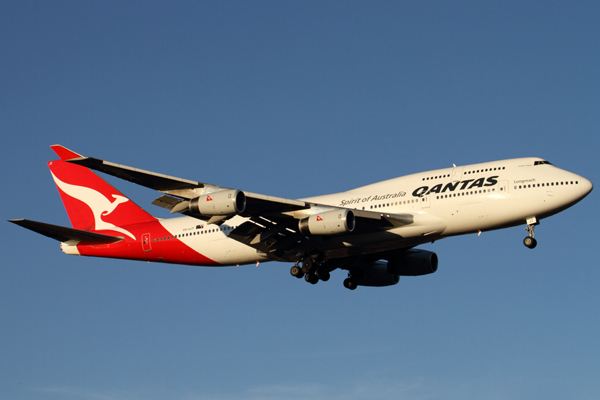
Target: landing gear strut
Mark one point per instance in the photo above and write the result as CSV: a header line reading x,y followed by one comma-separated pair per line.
x,y
530,241
351,282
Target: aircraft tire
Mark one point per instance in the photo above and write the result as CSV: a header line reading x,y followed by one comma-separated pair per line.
x,y
350,284
307,264
324,276
296,271
530,242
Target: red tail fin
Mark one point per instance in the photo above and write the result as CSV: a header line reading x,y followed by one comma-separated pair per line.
x,y
93,204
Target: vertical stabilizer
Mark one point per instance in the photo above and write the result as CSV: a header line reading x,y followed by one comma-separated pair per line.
x,y
92,203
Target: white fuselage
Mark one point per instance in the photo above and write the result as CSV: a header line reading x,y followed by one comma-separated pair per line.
x,y
444,202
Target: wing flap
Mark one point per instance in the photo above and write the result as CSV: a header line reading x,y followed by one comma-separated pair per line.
x,y
168,202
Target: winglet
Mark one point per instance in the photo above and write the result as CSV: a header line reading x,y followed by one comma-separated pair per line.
x,y
64,153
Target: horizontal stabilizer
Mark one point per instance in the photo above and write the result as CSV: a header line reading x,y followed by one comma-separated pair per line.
x,y
67,235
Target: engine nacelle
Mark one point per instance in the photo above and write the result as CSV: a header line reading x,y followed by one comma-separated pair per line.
x,y
376,274
328,223
413,263
226,202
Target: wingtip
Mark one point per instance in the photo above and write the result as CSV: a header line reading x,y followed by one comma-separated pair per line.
x,y
64,153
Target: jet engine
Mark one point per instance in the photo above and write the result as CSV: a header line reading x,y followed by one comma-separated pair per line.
x,y
413,263
374,274
226,202
409,263
328,223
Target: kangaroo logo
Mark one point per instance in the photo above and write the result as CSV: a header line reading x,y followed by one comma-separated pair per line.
x,y
97,202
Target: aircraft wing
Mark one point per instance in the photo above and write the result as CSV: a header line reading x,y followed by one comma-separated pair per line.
x,y
183,188
256,204
152,180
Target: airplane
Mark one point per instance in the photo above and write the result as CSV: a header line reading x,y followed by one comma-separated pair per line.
x,y
372,231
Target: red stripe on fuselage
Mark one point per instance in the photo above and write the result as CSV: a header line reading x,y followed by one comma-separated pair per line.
x,y
169,251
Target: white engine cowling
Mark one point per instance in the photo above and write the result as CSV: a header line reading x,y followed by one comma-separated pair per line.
x,y
328,223
413,263
226,202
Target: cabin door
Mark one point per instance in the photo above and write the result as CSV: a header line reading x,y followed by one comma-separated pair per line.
x,y
146,246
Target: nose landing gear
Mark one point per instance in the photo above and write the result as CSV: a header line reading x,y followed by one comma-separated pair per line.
x,y
530,241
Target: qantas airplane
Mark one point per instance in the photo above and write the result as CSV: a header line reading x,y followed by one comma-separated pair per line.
x,y
371,231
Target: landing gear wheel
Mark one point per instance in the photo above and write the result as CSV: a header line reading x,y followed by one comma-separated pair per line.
x,y
530,242
349,283
310,278
307,264
323,275
297,271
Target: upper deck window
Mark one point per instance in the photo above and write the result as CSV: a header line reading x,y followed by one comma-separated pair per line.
x,y
542,162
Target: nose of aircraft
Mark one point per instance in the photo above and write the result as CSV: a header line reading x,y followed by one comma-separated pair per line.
x,y
586,186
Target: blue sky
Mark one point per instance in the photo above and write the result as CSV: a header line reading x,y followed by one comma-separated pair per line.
x,y
294,100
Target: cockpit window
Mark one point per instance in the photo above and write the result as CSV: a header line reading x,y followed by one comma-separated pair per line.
x,y
542,162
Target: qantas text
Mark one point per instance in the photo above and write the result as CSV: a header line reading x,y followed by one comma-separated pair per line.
x,y
452,186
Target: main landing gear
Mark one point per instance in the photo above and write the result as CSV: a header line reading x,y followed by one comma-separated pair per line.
x,y
312,270
530,241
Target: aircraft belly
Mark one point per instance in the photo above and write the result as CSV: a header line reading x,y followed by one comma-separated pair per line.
x,y
427,228
212,244
359,245
231,252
